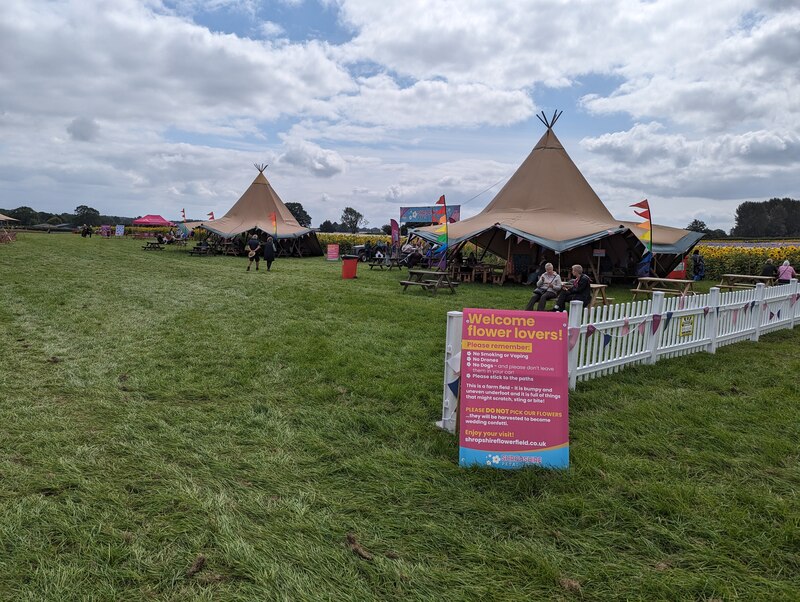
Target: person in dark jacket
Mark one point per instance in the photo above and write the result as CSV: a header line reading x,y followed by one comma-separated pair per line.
x,y
769,269
269,252
581,290
253,248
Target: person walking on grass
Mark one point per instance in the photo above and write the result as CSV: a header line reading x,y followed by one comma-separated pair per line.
x,y
253,247
269,252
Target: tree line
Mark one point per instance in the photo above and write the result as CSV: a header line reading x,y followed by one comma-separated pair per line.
x,y
83,215
775,218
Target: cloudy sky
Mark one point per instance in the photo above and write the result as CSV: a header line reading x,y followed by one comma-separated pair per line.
x,y
152,106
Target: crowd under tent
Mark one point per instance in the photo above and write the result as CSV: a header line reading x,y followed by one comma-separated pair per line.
x,y
546,211
254,211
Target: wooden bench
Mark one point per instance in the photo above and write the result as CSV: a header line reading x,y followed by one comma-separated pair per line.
x,y
200,251
650,291
384,262
153,246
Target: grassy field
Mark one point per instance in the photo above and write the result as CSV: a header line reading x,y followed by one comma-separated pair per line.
x,y
173,428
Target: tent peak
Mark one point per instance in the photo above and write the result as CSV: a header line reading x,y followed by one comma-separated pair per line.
x,y
260,166
549,123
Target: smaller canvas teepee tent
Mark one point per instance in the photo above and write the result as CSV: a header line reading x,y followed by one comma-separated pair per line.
x,y
260,208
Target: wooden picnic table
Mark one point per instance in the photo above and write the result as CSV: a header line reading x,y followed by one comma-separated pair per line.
x,y
229,248
152,245
670,286
384,262
599,296
430,280
743,281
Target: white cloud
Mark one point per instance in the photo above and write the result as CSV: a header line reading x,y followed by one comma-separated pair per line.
x,y
313,158
270,29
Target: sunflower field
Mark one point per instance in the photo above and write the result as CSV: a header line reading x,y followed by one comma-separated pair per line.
x,y
746,259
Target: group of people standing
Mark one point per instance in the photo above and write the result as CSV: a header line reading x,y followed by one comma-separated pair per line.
x,y
256,249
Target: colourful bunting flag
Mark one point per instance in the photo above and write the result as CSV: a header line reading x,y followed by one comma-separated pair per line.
x,y
645,214
641,327
765,307
735,316
646,226
606,340
590,330
778,314
210,216
706,310
656,322
453,386
441,201
642,204
183,213
574,335
752,304
274,218
771,315
681,301
667,321
626,327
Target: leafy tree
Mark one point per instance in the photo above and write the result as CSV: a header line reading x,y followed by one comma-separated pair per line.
x,y
717,233
54,221
328,226
775,217
87,215
25,215
303,218
352,220
387,229
697,226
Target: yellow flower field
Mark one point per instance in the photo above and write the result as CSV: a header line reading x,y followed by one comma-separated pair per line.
x,y
748,258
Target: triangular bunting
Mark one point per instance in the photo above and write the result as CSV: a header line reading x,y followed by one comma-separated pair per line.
x,y
771,315
681,302
656,322
641,327
735,316
606,339
645,214
642,204
706,310
574,335
626,327
453,386
778,314
590,330
455,363
667,321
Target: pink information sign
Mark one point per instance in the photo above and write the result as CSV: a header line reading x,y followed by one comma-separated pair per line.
x,y
513,408
333,253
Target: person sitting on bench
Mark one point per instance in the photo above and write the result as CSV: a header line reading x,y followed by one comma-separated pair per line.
x,y
581,290
547,287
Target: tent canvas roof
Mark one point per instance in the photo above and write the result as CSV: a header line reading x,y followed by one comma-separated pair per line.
x,y
667,239
547,201
253,210
5,218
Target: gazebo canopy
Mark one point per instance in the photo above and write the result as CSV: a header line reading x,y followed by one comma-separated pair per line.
x,y
152,220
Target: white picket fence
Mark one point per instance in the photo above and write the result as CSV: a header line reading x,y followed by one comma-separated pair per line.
x,y
605,339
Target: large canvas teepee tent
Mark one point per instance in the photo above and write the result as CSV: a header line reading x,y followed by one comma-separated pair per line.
x,y
260,208
546,210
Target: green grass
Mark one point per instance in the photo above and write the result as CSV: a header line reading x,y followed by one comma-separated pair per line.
x,y
155,407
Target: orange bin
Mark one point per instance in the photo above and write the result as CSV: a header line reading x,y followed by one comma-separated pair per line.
x,y
349,266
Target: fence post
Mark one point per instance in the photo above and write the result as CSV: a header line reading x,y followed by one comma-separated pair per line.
x,y
760,290
656,309
793,308
713,319
575,315
451,350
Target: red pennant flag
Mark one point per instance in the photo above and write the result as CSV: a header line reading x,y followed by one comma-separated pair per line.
x,y
656,322
441,200
626,327
210,215
642,204
590,330
641,327
645,214
183,213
